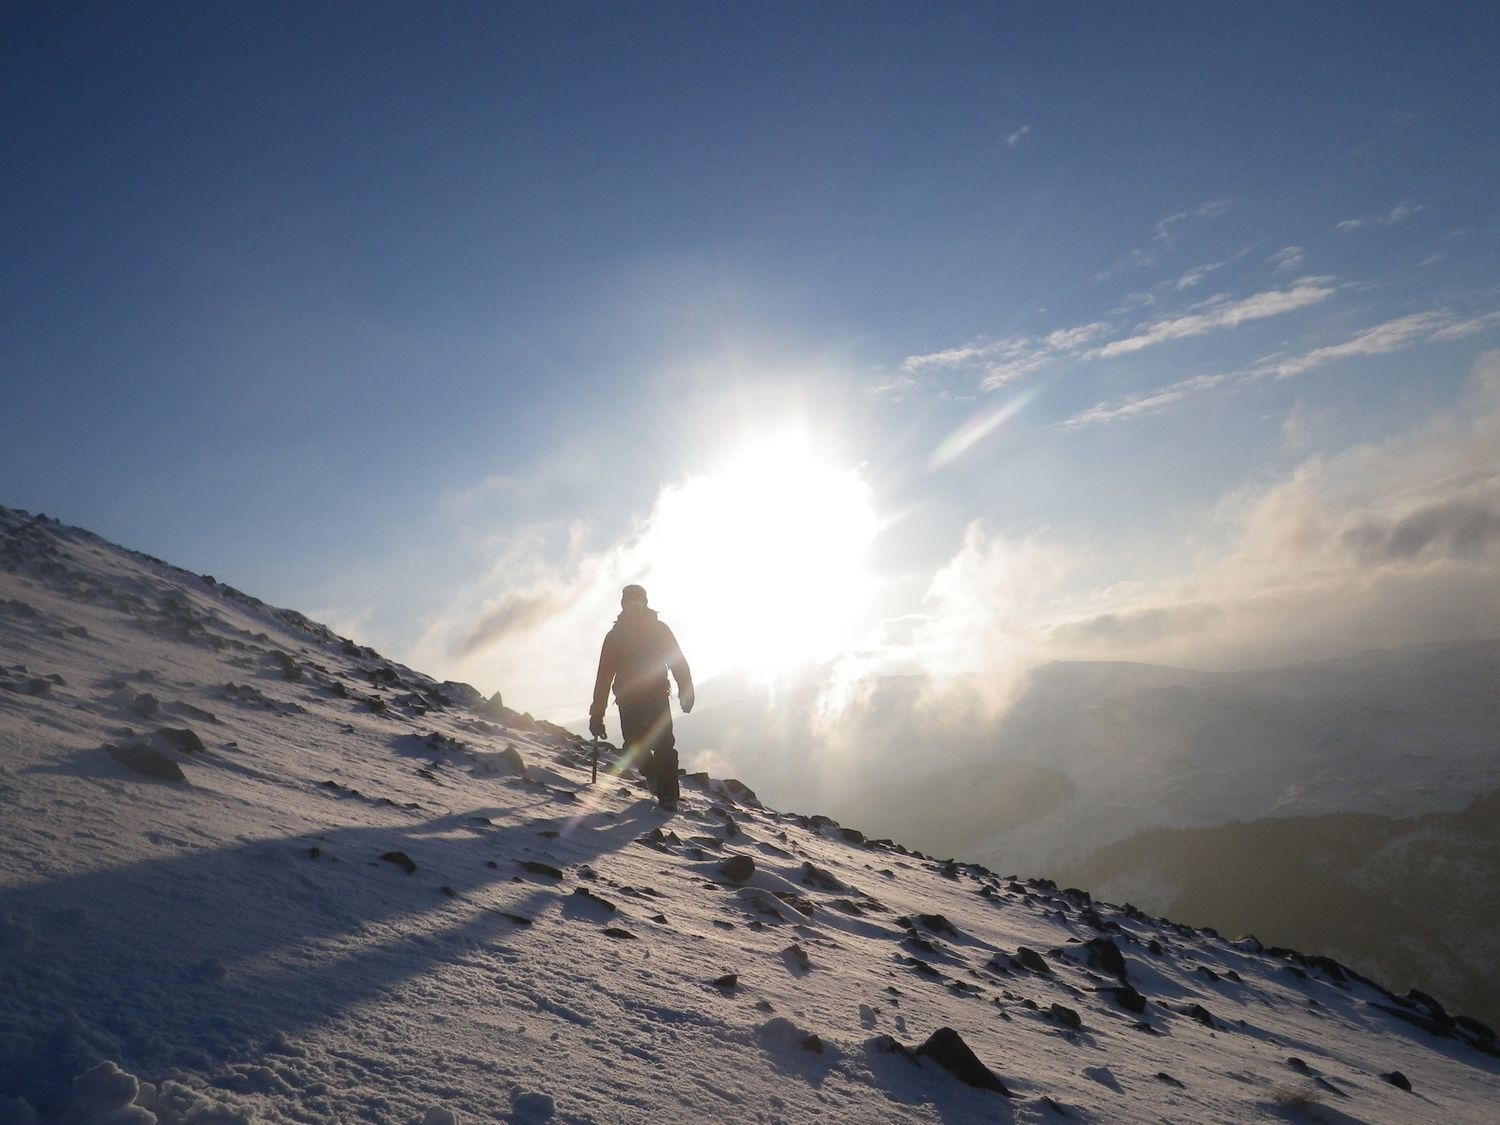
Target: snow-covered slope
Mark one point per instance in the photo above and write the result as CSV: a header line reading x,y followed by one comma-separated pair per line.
x,y
361,898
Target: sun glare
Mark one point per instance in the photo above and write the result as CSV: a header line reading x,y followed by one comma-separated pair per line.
x,y
763,561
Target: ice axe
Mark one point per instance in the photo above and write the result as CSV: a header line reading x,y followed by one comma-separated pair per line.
x,y
594,758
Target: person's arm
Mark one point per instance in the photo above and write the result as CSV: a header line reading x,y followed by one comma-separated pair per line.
x,y
680,671
602,681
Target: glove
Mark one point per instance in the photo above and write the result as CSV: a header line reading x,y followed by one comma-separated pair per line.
x,y
596,726
686,699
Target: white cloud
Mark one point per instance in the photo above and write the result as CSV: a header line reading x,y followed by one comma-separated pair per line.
x,y
1015,138
1194,276
1402,211
999,362
1383,544
1287,258
1165,237
1139,406
1437,326
1397,214
1219,313
1382,339
1459,329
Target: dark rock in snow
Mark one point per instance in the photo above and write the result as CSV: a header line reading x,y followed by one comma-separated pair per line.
x,y
1104,955
537,867
948,1049
146,705
1033,960
1065,1017
288,666
737,869
147,761
728,982
401,860
938,924
796,957
1201,1014
182,739
1398,1080
616,932
1127,997
585,893
1163,1076
817,877
512,758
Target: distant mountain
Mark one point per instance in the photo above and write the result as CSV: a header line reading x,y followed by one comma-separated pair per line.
x,y
1410,900
252,871
1092,755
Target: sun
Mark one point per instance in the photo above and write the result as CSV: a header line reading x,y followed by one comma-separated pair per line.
x,y
762,562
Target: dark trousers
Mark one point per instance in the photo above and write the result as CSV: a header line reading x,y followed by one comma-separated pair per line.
x,y
646,731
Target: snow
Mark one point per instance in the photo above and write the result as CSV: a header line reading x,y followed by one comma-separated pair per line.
x,y
244,944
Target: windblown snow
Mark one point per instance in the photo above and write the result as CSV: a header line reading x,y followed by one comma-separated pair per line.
x,y
252,871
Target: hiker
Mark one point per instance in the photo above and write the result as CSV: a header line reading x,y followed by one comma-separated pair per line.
x,y
635,658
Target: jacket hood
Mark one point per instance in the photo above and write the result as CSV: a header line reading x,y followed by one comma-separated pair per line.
x,y
635,612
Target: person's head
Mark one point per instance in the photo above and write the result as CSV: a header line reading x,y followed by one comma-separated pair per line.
x,y
632,595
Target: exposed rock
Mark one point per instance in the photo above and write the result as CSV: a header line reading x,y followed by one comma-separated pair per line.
x,y
1104,955
728,982
1033,960
585,893
146,705
1127,997
147,761
537,867
797,958
181,738
741,792
938,924
819,878
401,860
512,758
1201,1014
1398,1080
948,1049
738,868
288,666
1065,1017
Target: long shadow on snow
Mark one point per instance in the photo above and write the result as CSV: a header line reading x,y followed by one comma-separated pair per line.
x,y
200,958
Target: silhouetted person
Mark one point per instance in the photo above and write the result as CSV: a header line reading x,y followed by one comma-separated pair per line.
x,y
635,658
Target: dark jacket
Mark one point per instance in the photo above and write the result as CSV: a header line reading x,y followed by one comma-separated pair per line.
x,y
634,660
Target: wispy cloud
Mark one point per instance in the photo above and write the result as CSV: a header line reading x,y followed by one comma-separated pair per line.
x,y
1434,326
1383,544
1391,336
999,363
1287,258
1194,276
1397,214
1004,361
1139,406
1165,237
1015,138
1222,313
514,613
1210,210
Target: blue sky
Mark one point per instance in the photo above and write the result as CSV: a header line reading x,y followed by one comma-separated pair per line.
x,y
1095,330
